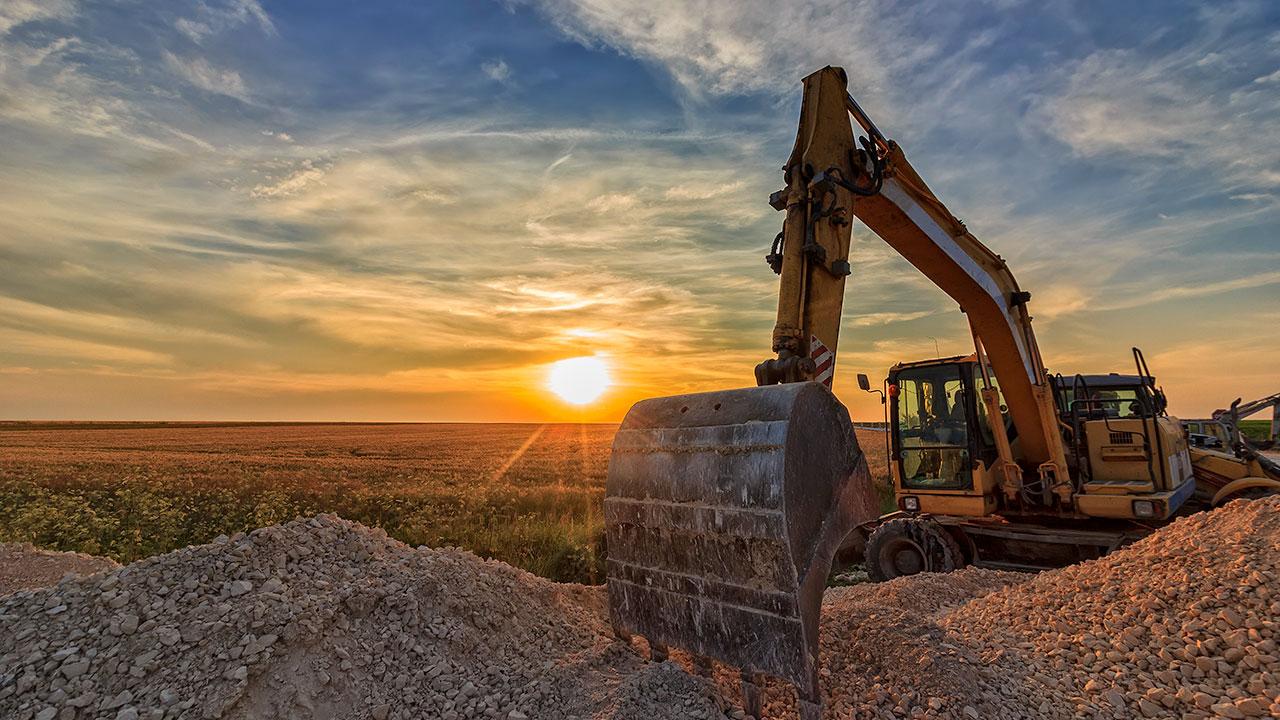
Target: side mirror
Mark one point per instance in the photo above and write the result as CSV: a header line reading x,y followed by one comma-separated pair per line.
x,y
863,382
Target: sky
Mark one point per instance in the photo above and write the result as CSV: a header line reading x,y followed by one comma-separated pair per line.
x,y
314,210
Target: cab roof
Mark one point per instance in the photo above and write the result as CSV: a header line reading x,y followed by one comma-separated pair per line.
x,y
1108,380
954,359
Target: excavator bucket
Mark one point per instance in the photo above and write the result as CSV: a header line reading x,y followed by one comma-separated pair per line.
x,y
723,513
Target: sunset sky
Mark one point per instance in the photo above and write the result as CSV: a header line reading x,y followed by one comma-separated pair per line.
x,y
407,210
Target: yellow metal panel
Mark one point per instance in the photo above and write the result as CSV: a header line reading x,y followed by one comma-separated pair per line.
x,y
961,505
1115,450
1121,506
1106,506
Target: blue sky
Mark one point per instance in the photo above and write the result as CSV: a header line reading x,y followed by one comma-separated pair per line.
x,y
405,210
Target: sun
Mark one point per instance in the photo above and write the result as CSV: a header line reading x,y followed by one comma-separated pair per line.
x,y
579,380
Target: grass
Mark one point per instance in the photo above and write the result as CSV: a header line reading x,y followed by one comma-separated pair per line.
x,y
1256,429
529,495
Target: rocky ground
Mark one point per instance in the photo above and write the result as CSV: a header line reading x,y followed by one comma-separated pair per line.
x,y
325,618
25,567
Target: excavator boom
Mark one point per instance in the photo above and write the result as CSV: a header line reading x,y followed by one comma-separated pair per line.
x,y
832,178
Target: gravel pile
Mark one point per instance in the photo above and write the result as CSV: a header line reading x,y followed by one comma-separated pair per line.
x,y
325,618
1182,624
885,654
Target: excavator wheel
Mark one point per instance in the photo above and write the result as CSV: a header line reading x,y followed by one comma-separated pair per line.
x,y
906,546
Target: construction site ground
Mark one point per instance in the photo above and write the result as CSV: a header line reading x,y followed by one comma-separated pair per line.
x,y
324,618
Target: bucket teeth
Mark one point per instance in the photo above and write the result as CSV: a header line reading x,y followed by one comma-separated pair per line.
x,y
723,513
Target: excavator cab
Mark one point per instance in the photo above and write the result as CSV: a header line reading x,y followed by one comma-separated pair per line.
x,y
931,414
942,440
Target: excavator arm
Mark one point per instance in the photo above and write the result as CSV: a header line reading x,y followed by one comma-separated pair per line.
x,y
1230,418
830,178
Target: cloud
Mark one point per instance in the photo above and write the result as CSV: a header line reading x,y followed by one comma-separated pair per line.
x,y
18,12
291,185
497,70
888,318
719,47
557,163
46,344
703,192
202,74
1202,289
1268,79
1140,103
216,17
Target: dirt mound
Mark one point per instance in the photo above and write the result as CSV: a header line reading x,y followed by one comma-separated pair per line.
x,y
25,567
325,618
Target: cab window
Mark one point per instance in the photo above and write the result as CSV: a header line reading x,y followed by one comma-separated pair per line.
x,y
1109,402
932,425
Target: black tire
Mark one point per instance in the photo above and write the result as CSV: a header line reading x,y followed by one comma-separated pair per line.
x,y
906,546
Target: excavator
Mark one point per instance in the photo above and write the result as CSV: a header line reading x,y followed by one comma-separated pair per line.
x,y
1236,467
1223,426
724,511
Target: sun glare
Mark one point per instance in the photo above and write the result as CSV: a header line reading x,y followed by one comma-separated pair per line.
x,y
579,380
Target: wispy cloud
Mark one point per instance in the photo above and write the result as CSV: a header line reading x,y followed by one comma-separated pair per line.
x,y
202,74
307,174
211,18
1127,103
497,70
17,12
725,46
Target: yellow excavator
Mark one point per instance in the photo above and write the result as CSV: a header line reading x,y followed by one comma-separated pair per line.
x,y
724,511
1233,466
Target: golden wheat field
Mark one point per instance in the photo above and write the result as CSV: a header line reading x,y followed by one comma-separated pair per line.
x,y
526,494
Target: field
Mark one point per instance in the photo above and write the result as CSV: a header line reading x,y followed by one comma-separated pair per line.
x,y
1256,429
529,495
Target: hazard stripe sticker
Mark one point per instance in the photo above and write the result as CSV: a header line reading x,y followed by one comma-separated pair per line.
x,y
824,359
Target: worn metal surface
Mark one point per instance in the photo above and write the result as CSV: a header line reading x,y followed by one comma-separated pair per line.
x,y
723,513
